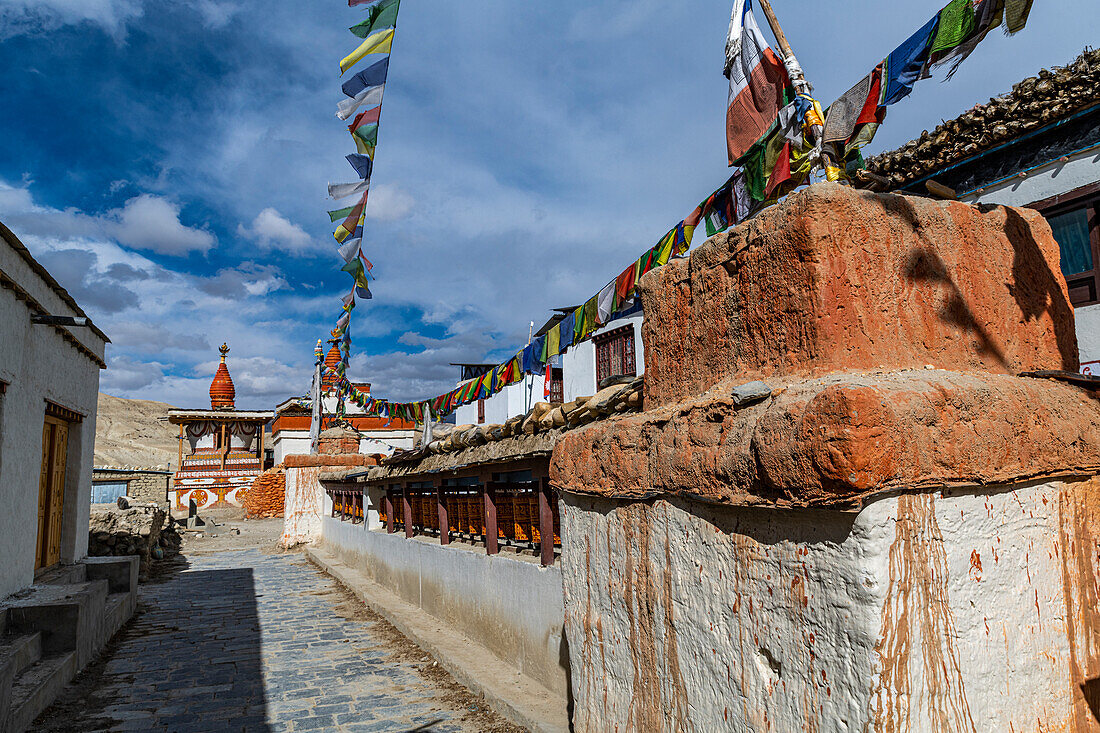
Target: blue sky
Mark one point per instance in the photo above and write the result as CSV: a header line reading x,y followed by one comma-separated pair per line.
x,y
168,162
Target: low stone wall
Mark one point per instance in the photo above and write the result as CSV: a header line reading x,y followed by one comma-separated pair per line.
x,y
965,610
510,606
141,486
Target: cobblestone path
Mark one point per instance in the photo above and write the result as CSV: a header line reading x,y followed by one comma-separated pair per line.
x,y
252,641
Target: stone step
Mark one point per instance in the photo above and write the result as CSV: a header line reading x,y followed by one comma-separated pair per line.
x,y
37,687
19,652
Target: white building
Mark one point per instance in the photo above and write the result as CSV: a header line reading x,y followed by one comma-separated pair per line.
x,y
290,429
49,382
614,350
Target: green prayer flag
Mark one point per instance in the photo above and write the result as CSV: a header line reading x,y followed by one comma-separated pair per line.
x,y
367,133
379,15
335,216
956,24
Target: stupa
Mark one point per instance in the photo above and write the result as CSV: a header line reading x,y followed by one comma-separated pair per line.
x,y
224,447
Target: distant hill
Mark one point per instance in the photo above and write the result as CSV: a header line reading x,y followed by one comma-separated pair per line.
x,y
128,433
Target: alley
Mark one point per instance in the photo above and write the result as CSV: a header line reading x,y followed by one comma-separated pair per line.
x,y
253,640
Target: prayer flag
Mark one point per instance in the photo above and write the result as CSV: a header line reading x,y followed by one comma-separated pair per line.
x,y
333,216
758,85
905,63
956,22
363,148
353,219
842,115
566,328
368,133
624,285
553,340
371,97
366,117
546,384
380,15
361,163
1016,12
350,250
343,190
372,76
605,303
587,317
379,42
363,292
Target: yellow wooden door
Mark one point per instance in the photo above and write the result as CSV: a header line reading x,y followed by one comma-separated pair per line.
x,y
43,497
57,490
51,492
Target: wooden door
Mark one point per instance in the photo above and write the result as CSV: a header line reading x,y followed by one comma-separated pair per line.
x,y
51,491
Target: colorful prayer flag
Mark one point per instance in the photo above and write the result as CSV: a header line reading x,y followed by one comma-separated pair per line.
x,y
353,219
338,214
372,76
758,86
380,15
906,62
379,42
343,190
361,163
371,97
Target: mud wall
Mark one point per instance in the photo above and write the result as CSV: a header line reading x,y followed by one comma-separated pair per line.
x,y
837,280
971,611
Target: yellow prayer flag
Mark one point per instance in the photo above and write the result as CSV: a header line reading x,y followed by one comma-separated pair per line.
x,y
553,340
379,42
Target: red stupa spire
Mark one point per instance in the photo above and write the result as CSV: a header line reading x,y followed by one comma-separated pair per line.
x,y
222,392
332,360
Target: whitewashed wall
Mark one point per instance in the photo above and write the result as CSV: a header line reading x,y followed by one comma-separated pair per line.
x,y
38,364
1051,180
579,362
923,612
515,399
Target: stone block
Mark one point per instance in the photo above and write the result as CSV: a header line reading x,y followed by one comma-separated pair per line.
x,y
837,279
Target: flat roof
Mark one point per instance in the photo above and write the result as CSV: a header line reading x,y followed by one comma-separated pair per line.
x,y
177,416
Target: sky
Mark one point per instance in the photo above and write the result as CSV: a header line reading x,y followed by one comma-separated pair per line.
x,y
168,162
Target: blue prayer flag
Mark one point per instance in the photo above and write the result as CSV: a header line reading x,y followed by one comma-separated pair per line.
x,y
905,63
372,76
361,163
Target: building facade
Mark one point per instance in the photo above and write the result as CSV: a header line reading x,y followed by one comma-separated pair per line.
x,y
290,429
49,380
614,353
221,449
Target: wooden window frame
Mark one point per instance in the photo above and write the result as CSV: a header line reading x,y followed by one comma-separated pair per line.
x,y
557,385
606,353
481,411
1087,198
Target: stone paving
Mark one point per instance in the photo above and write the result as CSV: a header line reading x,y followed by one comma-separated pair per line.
x,y
252,641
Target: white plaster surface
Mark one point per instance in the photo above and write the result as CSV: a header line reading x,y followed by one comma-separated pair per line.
x,y
1050,180
303,504
511,606
579,362
515,399
1088,337
921,613
38,365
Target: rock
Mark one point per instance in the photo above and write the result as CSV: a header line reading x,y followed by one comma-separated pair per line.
x,y
750,392
601,403
557,416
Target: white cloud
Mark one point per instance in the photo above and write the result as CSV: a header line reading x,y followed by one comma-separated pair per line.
x,y
272,230
389,203
153,223
19,17
216,14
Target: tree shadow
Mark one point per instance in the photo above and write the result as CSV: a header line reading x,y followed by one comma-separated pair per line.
x,y
1034,286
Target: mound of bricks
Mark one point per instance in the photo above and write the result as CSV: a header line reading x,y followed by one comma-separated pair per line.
x,y
264,499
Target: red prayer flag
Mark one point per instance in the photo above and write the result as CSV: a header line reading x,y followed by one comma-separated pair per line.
x,y
870,113
624,283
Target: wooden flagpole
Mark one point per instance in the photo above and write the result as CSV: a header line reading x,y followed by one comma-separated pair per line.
x,y
794,70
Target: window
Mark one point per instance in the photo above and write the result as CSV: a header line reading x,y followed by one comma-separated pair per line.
x,y
614,354
557,385
1076,228
481,412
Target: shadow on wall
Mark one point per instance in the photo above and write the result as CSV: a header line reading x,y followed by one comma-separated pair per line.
x,y
1034,286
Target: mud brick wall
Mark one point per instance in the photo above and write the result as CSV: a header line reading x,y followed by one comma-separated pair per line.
x,y
838,280
142,486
